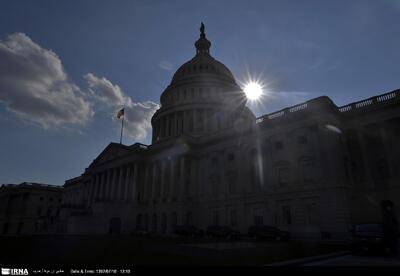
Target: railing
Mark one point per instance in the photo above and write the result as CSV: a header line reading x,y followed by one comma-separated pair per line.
x,y
282,112
31,184
357,105
371,101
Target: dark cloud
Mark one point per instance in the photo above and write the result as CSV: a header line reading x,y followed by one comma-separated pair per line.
x,y
35,87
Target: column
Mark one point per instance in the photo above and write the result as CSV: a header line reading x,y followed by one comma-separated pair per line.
x,y
127,182
366,171
95,182
172,180
162,179
167,126
185,124
194,119
153,192
120,183
135,182
91,188
146,183
100,175
109,184
193,181
387,143
182,182
104,186
114,184
87,191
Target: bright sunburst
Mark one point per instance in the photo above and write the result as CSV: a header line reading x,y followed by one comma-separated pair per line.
x,y
253,90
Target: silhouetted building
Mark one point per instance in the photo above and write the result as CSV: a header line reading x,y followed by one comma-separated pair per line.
x,y
29,208
312,169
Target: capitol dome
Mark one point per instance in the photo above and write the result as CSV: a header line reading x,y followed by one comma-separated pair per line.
x,y
202,66
202,98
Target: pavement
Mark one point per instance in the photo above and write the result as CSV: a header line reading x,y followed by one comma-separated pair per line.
x,y
353,260
343,258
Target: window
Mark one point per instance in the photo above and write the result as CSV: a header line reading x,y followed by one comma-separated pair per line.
x,y
283,176
214,182
312,217
233,218
187,187
39,211
216,217
258,220
302,140
307,169
252,177
189,218
286,215
231,181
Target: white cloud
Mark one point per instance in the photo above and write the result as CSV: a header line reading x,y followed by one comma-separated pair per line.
x,y
166,65
35,87
138,118
102,89
137,114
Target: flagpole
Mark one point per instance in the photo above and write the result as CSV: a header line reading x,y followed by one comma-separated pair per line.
x,y
122,128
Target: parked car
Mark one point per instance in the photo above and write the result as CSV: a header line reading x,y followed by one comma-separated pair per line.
x,y
217,231
140,232
373,238
188,231
268,232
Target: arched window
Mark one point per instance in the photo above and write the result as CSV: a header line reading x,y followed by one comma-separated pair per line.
x,y
174,220
189,218
154,223
139,221
163,223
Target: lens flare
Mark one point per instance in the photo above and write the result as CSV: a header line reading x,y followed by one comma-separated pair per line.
x,y
253,91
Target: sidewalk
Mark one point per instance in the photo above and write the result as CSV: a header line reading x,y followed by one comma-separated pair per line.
x,y
302,261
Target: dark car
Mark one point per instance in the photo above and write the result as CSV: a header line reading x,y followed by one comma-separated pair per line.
x,y
188,231
373,238
218,231
140,232
268,232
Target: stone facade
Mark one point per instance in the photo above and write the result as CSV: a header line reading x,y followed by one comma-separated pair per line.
x,y
313,169
29,208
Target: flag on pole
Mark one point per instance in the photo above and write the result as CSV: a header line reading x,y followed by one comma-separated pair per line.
x,y
120,113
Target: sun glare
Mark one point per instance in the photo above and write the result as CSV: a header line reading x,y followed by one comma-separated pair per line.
x,y
253,91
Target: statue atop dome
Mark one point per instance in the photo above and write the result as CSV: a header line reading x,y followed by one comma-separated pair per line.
x,y
202,44
202,34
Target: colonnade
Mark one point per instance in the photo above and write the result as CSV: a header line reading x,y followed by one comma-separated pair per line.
x,y
187,121
166,180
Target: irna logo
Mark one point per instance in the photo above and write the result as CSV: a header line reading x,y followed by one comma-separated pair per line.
x,y
14,271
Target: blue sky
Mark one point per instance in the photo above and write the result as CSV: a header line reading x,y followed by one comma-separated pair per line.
x,y
67,66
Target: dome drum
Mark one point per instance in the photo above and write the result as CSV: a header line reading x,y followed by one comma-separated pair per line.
x,y
202,98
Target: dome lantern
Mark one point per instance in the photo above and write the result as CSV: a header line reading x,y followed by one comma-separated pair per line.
x,y
202,44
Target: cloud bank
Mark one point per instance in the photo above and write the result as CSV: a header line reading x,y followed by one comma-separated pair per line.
x,y
35,87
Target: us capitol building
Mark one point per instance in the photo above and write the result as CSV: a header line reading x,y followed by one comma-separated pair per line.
x,y
312,169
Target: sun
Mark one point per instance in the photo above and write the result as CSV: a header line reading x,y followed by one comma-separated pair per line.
x,y
253,91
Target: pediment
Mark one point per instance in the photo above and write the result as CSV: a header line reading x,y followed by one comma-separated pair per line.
x,y
111,152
